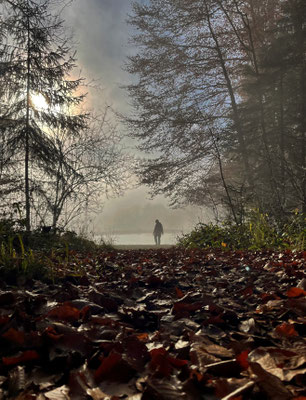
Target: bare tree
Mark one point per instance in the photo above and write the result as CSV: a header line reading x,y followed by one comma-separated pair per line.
x,y
90,167
201,67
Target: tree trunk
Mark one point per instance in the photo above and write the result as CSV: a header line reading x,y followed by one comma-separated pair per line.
x,y
27,131
302,61
282,135
240,136
231,205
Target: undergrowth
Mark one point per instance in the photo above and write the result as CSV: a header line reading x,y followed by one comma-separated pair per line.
x,y
37,255
258,232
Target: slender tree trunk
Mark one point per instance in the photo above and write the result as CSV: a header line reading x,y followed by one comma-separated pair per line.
x,y
282,134
27,131
302,61
231,205
241,139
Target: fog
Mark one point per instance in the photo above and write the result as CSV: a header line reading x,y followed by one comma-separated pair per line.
x,y
101,35
136,213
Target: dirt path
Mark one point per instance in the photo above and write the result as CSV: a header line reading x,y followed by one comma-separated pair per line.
x,y
142,246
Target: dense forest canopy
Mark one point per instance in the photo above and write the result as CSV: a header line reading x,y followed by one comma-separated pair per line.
x,y
219,95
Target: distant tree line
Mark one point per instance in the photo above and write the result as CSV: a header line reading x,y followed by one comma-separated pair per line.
x,y
55,159
220,98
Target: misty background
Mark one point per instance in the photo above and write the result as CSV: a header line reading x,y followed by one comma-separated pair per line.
x,y
102,42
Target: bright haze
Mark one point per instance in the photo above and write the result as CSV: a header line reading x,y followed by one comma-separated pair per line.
x,y
102,42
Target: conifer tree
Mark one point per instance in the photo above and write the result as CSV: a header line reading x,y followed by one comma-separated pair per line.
x,y
38,90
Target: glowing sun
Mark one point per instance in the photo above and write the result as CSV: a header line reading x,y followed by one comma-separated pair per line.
x,y
39,102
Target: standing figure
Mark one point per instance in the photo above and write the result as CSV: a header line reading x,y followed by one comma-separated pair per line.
x,y
158,231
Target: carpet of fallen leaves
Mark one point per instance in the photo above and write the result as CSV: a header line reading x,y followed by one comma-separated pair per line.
x,y
158,324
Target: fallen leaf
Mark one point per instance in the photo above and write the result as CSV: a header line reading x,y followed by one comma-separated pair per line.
x,y
29,355
64,312
14,336
295,292
286,330
242,359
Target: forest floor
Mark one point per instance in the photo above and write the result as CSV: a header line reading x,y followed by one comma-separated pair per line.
x,y
141,246
157,324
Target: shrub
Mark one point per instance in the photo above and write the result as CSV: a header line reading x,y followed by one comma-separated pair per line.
x,y
35,255
257,232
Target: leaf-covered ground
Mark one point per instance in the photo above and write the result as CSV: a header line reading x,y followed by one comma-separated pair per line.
x,y
158,324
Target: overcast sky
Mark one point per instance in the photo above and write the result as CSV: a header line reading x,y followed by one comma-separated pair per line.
x,y
102,37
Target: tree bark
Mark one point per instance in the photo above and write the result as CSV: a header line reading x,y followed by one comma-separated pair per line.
x,y
27,131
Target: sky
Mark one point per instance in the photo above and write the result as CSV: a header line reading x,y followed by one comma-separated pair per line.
x,y
102,43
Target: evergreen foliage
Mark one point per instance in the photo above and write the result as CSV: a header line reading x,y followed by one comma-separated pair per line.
x,y
56,159
37,62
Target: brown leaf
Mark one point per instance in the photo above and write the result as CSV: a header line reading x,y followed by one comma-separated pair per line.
x,y
97,394
200,357
60,393
247,325
270,384
164,389
236,394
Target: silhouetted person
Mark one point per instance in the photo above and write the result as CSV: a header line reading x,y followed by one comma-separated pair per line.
x,y
158,231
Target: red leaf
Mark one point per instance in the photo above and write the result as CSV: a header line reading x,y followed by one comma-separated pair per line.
x,y
136,349
160,362
195,374
189,307
163,363
177,362
242,359
286,330
107,365
295,292
65,312
28,355
248,291
214,320
143,337
14,336
84,312
52,334
179,293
